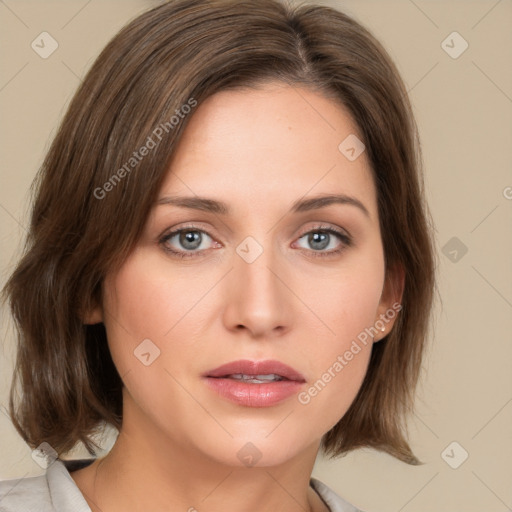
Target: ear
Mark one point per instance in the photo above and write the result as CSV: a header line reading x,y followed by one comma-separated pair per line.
x,y
390,301
93,315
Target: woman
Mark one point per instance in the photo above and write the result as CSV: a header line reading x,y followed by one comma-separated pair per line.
x,y
229,260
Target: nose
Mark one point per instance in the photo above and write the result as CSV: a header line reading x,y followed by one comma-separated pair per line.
x,y
258,299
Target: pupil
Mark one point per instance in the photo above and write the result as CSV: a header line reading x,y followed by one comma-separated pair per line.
x,y
190,239
319,240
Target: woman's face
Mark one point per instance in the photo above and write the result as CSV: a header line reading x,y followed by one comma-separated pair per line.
x,y
260,272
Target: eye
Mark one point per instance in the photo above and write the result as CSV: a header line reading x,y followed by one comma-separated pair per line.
x,y
325,241
186,242
190,241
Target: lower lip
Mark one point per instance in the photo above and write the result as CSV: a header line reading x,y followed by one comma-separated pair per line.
x,y
254,395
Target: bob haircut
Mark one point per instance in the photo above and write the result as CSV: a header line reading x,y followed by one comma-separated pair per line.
x,y
96,186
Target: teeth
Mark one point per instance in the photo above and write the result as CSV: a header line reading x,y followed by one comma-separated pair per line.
x,y
256,379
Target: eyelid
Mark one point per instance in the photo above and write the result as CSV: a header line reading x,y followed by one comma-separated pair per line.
x,y
342,234
192,226
302,232
345,239
168,234
319,226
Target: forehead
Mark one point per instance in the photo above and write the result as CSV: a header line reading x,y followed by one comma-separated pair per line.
x,y
269,146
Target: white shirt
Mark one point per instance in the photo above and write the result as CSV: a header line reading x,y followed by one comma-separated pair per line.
x,y
56,491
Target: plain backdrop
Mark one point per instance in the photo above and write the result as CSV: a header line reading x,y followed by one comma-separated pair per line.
x,y
463,105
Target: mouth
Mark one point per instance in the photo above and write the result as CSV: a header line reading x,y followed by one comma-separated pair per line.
x,y
254,379
265,371
255,383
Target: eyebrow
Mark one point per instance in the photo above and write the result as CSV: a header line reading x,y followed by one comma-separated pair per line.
x,y
301,205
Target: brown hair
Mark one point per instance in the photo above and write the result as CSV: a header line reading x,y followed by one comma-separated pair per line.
x,y
175,55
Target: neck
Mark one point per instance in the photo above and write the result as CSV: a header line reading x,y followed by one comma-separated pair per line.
x,y
145,470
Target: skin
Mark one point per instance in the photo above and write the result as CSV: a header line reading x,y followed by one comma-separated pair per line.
x,y
258,151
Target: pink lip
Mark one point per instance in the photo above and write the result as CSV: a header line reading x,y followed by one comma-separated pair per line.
x,y
252,394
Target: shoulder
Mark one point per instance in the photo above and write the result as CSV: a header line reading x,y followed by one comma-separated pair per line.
x,y
334,502
55,491
25,494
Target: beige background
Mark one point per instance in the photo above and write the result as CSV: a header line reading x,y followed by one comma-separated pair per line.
x,y
464,111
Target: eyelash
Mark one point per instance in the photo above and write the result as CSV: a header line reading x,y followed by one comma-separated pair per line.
x,y
344,238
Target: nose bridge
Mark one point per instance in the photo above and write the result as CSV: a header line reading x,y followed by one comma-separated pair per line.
x,y
257,299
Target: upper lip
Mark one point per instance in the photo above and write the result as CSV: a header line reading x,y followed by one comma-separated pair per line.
x,y
248,367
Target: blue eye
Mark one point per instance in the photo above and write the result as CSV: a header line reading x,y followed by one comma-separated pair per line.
x,y
190,241
319,239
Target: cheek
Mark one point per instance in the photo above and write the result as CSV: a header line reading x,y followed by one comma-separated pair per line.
x,y
338,365
143,301
345,302
327,398
148,297
339,361
140,304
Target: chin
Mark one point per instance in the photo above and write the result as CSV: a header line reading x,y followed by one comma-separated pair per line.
x,y
255,447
